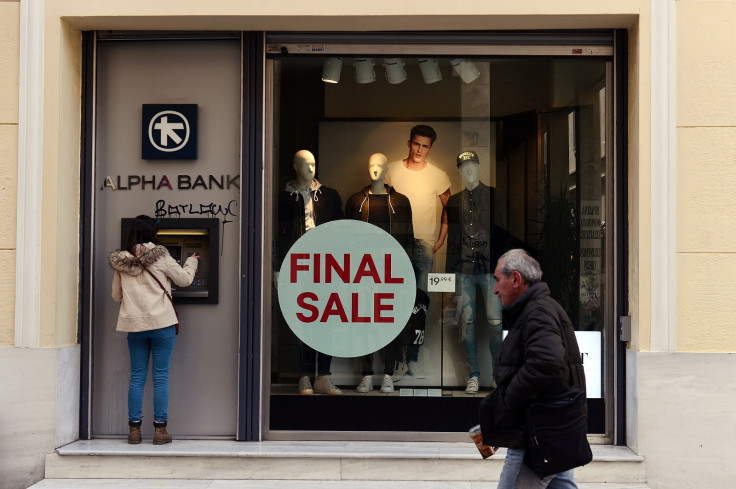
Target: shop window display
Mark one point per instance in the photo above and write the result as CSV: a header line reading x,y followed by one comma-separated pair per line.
x,y
464,162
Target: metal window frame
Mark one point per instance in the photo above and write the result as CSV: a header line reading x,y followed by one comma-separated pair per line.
x,y
447,43
608,44
251,321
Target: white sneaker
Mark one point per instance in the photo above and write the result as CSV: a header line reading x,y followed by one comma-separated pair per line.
x,y
399,371
305,386
366,384
415,370
323,384
388,384
472,386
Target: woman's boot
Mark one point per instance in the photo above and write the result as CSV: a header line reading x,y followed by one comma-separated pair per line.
x,y
160,435
134,437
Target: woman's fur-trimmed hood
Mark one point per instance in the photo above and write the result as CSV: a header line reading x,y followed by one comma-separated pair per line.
x,y
122,261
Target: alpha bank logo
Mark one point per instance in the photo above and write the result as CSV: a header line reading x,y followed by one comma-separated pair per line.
x,y
169,132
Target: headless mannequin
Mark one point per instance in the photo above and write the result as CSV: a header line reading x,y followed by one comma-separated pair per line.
x,y
382,206
303,205
377,166
471,175
377,193
305,167
393,214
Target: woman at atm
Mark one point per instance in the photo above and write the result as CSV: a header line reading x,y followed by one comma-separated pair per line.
x,y
144,271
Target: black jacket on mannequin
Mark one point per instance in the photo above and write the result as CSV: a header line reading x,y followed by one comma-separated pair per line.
x,y
399,211
474,242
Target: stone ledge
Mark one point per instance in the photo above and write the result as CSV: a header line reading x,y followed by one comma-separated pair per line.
x,y
311,461
309,449
281,484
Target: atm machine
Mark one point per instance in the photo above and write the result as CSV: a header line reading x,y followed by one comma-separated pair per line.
x,y
183,237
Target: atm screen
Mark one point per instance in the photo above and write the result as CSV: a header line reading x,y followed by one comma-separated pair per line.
x,y
181,244
175,252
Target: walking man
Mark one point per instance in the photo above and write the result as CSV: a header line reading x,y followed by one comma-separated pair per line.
x,y
532,364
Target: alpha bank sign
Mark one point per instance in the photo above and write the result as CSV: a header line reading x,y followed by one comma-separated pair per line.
x,y
169,132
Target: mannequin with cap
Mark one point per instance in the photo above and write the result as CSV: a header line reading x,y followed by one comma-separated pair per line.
x,y
472,251
303,205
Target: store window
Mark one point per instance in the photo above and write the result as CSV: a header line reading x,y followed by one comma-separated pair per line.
x,y
451,161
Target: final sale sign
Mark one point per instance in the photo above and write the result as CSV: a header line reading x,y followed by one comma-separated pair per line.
x,y
346,288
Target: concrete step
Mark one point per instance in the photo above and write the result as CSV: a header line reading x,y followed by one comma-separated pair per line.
x,y
258,464
281,484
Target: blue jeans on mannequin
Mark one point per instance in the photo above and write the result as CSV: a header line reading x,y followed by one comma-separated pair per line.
x,y
159,344
423,261
516,475
467,285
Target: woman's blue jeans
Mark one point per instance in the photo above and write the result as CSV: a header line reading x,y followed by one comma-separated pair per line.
x,y
159,344
516,475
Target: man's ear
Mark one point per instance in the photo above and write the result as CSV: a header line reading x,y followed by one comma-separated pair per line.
x,y
516,277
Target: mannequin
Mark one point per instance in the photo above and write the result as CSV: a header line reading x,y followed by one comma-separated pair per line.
x,y
302,205
377,165
395,211
381,205
305,167
472,252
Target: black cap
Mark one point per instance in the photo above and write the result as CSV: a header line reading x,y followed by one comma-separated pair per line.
x,y
467,156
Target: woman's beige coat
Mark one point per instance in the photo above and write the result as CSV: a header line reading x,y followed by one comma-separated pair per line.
x,y
144,306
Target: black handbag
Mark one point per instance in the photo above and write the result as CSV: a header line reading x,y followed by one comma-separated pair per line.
x,y
557,434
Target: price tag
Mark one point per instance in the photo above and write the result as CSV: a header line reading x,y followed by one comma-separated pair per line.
x,y
441,282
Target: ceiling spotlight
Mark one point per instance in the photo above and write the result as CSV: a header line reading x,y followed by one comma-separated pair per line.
x,y
466,69
430,70
331,70
364,72
395,72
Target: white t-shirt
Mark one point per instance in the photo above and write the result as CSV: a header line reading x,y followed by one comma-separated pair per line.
x,y
422,187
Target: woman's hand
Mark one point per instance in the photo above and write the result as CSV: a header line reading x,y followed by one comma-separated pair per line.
x,y
194,255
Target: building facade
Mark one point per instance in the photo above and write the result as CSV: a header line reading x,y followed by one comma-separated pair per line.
x,y
601,129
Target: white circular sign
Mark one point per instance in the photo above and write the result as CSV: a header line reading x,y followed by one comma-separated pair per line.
x,y
168,131
346,288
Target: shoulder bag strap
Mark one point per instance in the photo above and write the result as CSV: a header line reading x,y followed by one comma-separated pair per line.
x,y
166,292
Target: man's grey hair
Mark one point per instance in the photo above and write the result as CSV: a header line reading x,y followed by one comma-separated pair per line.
x,y
518,260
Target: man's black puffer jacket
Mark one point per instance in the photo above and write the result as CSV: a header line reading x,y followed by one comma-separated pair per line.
x,y
532,363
